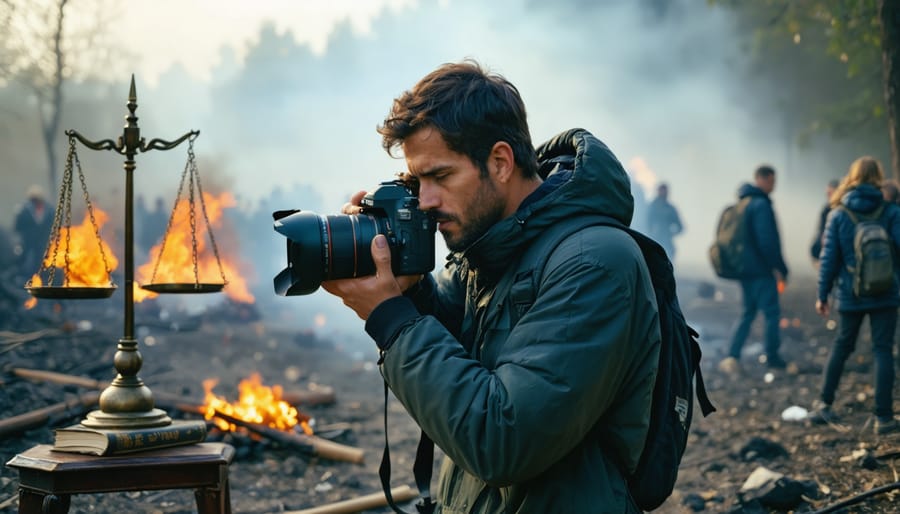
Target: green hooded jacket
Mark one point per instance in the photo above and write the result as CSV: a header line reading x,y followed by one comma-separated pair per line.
x,y
539,417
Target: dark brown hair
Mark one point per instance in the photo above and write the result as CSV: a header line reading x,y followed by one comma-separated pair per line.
x,y
764,171
470,107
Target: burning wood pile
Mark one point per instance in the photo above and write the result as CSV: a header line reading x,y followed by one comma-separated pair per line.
x,y
262,412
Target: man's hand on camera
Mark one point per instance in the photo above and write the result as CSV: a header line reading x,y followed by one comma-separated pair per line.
x,y
353,206
363,294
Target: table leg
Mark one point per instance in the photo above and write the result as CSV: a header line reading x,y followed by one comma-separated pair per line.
x,y
33,502
215,500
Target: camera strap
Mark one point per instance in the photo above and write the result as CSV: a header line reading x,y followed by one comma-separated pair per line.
x,y
421,469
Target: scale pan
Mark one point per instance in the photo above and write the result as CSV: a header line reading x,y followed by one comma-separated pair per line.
x,y
70,293
183,288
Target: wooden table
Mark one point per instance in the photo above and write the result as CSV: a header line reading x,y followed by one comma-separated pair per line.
x,y
47,479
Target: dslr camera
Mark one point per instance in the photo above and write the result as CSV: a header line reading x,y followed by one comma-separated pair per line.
x,y
338,246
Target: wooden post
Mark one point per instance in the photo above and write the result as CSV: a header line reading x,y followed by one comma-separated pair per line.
x,y
370,501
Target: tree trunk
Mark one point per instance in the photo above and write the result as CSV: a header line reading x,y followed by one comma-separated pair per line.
x,y
889,14
50,120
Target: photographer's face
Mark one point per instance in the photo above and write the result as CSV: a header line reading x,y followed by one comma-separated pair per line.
x,y
452,189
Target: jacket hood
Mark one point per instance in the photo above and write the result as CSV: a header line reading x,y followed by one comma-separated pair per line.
x,y
748,189
581,175
864,198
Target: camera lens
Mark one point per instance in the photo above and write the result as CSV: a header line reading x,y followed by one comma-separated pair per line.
x,y
324,248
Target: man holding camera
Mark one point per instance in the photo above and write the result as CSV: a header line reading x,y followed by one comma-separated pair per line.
x,y
550,413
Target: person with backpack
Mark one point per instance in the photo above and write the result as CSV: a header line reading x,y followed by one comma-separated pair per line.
x,y
547,411
762,270
859,253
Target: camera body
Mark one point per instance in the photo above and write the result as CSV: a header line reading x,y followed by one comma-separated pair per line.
x,y
409,230
338,246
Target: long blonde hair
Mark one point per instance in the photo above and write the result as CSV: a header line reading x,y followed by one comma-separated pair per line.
x,y
865,170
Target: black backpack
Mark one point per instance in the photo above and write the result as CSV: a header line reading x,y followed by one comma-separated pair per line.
x,y
726,254
679,367
874,271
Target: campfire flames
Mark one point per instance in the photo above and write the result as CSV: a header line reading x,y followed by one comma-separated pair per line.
x,y
85,262
177,265
257,403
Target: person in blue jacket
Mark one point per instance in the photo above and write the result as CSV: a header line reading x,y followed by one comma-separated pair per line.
x,y
663,220
859,192
764,269
816,248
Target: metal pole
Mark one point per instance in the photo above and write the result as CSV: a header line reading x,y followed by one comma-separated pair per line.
x,y
127,402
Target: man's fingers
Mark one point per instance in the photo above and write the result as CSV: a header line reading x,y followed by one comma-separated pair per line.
x,y
352,207
381,255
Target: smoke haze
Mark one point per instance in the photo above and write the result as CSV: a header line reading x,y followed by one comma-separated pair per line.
x,y
287,122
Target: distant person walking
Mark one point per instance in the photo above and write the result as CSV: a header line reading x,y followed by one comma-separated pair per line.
x,y
858,198
816,247
33,223
764,269
663,221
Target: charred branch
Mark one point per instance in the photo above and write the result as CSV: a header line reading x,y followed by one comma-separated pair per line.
x,y
42,416
320,395
311,445
400,494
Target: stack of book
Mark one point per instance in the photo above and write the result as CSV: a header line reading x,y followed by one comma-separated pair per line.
x,y
96,441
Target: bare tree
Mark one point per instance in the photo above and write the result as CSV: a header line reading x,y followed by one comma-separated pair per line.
x,y
37,49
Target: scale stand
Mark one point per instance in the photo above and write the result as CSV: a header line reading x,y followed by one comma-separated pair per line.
x,y
128,403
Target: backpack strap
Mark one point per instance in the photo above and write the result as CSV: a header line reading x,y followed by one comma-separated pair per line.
x,y
876,215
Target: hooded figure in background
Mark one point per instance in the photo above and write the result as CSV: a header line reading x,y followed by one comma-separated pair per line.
x,y
33,223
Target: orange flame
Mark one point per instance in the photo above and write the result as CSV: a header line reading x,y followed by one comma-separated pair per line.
x,y
79,253
177,265
256,403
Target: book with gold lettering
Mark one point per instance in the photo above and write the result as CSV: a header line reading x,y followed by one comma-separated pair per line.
x,y
96,441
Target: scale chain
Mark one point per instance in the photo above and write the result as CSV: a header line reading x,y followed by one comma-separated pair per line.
x,y
209,232
90,209
193,223
68,204
162,247
57,216
192,176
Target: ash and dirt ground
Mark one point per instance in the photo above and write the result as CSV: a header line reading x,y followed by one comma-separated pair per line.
x,y
268,479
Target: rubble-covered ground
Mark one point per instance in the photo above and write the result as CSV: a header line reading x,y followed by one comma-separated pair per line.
x,y
820,465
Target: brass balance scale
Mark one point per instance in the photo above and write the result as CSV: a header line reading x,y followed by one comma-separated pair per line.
x,y
127,403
